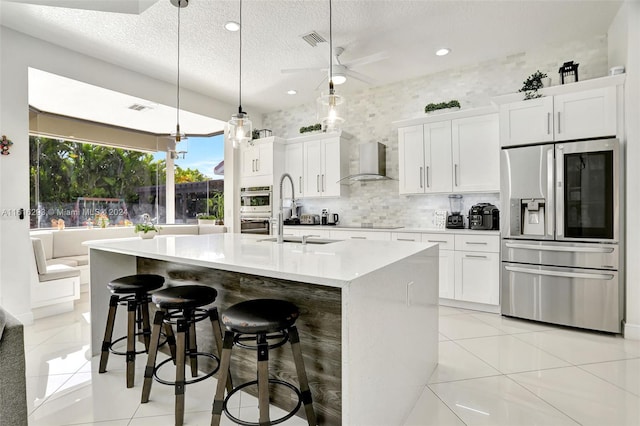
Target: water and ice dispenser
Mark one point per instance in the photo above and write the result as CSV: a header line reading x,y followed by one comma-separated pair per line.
x,y
531,215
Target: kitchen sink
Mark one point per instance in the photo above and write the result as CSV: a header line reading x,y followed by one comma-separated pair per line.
x,y
298,240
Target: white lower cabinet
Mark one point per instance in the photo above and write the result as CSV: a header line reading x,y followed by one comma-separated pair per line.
x,y
469,267
339,234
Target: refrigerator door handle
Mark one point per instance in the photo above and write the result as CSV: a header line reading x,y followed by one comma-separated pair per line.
x,y
559,191
581,275
550,193
561,248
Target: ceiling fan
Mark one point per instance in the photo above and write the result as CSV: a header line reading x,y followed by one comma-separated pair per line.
x,y
343,70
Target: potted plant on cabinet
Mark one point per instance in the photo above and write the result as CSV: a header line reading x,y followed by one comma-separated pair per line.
x,y
531,85
146,229
206,219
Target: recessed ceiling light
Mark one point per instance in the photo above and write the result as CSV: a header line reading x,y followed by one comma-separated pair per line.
x,y
442,52
291,92
232,26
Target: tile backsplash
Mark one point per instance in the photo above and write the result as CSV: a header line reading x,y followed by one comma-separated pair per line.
x,y
371,111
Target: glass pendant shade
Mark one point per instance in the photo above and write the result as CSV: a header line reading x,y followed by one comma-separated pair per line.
x,y
331,111
239,129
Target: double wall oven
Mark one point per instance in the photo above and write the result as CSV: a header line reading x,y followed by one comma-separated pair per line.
x,y
562,249
256,209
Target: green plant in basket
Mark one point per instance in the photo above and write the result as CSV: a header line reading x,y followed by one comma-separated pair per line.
x,y
442,105
146,227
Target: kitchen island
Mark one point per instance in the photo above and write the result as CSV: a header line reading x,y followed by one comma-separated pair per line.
x,y
368,321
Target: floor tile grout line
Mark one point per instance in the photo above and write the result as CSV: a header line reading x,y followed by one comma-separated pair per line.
x,y
446,405
605,380
542,399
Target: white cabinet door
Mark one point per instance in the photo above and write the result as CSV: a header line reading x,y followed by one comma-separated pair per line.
x,y
591,113
447,268
264,159
331,167
477,277
411,159
312,168
248,157
437,172
294,165
527,121
476,154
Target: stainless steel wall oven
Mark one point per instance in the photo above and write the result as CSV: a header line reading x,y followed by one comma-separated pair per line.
x,y
256,209
561,251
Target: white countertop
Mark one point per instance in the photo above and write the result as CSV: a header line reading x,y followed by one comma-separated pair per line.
x,y
392,229
334,264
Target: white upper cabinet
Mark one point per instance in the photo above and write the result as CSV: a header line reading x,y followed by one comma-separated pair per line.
x,y
585,114
457,155
425,158
257,159
294,165
581,110
476,154
324,165
527,121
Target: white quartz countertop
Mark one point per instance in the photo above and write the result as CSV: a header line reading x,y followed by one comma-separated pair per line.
x,y
334,264
394,229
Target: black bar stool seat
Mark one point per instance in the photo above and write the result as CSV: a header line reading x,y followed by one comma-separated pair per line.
x,y
262,320
182,306
131,291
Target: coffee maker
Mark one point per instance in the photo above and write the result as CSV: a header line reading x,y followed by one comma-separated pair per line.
x,y
455,220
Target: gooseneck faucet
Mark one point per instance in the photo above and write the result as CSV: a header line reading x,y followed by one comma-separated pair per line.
x,y
280,238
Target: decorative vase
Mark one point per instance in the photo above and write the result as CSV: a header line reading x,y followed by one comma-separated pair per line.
x,y
147,235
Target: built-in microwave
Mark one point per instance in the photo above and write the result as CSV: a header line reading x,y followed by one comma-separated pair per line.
x,y
256,202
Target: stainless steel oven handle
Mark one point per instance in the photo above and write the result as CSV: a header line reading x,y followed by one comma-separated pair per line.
x,y
583,275
561,248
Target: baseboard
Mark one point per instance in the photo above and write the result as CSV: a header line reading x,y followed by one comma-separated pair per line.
x,y
55,309
494,309
25,318
631,331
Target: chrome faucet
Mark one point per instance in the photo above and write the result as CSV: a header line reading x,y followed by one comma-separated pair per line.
x,y
280,238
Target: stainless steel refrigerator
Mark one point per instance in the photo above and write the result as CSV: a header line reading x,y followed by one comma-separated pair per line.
x,y
562,234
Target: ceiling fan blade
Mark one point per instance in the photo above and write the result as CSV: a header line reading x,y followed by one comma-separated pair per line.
x,y
321,83
359,76
376,57
294,70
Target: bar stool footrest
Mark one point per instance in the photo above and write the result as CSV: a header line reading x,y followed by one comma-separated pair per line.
x,y
187,382
273,422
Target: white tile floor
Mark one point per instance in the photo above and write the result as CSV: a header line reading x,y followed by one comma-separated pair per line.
x,y
493,371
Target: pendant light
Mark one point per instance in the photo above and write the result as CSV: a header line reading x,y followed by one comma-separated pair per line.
x,y
178,136
239,129
330,106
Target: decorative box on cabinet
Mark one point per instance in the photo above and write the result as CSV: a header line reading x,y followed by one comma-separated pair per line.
x,y
587,109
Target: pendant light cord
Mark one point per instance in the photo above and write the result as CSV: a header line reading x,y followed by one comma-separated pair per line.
x,y
240,76
178,79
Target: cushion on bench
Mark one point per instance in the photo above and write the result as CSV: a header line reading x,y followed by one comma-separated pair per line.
x,y
62,261
57,272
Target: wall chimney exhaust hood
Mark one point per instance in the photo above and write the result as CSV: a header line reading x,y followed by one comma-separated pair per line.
x,y
373,165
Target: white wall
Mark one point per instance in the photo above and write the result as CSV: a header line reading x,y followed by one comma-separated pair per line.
x,y
18,53
626,26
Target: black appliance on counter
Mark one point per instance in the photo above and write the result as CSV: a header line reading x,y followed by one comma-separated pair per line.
x,y
484,216
455,220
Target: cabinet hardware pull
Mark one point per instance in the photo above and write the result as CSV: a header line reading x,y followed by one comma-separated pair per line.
x,y
300,184
324,181
420,176
405,239
409,285
253,165
358,238
257,164
317,183
558,122
477,243
436,241
475,255
455,174
426,177
548,123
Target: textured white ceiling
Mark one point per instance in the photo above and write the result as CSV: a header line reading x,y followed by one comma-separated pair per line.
x,y
407,32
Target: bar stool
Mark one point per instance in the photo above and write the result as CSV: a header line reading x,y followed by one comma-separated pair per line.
x,y
131,291
264,320
182,306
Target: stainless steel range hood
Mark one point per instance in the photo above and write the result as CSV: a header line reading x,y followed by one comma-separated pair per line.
x,y
373,164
